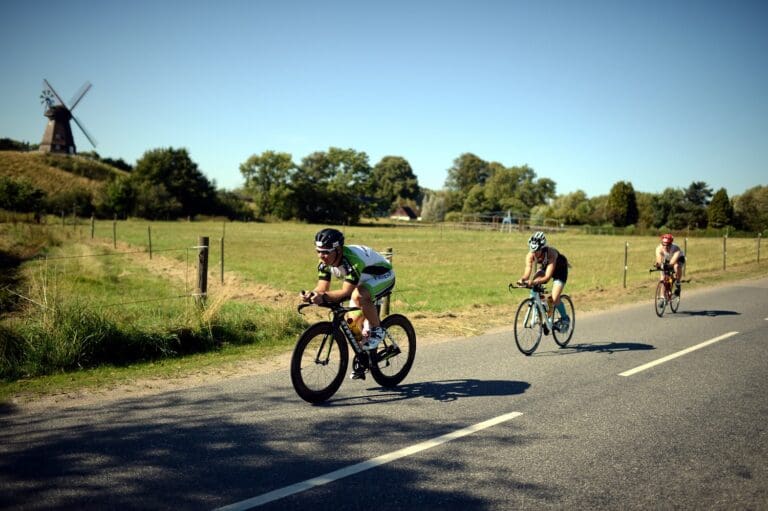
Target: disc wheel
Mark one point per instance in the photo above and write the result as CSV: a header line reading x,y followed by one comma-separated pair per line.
x,y
394,356
528,327
563,335
319,363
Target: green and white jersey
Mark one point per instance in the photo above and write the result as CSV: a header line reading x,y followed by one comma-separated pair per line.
x,y
356,261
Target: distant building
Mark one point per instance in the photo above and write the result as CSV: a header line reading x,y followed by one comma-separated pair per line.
x,y
404,213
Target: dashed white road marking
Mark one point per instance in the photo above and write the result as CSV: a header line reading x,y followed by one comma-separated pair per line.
x,y
677,354
365,465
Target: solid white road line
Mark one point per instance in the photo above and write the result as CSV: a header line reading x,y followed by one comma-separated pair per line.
x,y
365,465
675,355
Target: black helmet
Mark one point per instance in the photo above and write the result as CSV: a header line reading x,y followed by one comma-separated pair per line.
x,y
328,239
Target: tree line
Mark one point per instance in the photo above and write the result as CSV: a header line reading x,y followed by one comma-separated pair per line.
x,y
340,186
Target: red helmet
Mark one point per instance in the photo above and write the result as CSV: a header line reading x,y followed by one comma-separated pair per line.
x,y
666,239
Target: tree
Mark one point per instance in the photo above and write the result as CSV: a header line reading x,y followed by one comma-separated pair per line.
x,y
571,209
751,209
119,198
622,205
433,208
720,210
467,171
267,180
20,195
329,187
392,181
179,177
693,210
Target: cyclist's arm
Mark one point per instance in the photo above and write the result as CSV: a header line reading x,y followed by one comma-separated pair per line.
x,y
659,256
529,263
548,271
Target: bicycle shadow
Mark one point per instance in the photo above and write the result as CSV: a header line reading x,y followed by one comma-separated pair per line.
x,y
598,347
708,313
444,391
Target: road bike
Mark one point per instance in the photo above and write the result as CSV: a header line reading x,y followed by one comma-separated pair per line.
x,y
665,291
534,319
321,355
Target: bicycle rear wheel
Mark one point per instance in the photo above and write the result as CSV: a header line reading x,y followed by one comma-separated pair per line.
x,y
563,326
528,327
394,356
660,300
319,363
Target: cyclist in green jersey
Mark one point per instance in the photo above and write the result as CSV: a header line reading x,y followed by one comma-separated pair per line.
x,y
366,275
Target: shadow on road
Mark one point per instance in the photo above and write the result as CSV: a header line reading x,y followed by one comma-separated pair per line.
x,y
708,313
445,390
599,347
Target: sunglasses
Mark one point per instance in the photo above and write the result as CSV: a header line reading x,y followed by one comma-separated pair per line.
x,y
325,250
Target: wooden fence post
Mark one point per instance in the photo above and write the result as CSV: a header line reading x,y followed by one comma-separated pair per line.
x,y
202,270
626,255
222,260
385,304
725,250
93,224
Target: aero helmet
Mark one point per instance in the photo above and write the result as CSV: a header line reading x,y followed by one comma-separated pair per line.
x,y
536,241
328,239
666,239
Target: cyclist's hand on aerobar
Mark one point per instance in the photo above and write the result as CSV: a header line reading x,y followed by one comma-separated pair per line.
x,y
523,283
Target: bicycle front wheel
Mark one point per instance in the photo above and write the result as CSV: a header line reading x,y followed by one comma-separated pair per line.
x,y
563,326
528,327
394,356
660,300
674,301
319,363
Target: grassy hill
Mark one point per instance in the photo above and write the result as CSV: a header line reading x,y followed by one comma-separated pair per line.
x,y
57,173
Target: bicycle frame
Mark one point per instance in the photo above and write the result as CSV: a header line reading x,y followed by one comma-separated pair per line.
x,y
338,323
540,309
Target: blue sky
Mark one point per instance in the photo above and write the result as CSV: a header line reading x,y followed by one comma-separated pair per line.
x,y
587,93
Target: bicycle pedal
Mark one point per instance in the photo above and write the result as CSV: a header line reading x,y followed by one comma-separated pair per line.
x,y
546,329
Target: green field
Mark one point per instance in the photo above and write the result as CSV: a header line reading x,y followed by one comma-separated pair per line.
x,y
439,269
450,282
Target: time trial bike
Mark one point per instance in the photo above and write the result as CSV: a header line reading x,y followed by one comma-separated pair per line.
x,y
321,356
536,317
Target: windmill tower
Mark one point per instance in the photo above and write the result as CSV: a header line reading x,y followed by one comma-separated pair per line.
x,y
58,133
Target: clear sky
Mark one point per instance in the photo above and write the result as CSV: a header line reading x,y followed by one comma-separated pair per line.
x,y
587,93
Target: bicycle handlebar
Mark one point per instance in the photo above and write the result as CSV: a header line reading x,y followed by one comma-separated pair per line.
x,y
535,287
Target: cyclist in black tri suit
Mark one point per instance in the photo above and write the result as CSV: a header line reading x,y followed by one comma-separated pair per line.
x,y
552,266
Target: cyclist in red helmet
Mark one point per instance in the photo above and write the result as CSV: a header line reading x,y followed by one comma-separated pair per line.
x,y
669,253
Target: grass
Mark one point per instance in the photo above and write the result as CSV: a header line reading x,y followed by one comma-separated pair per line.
x,y
56,173
450,282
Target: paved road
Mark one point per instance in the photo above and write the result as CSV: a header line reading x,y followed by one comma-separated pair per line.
x,y
476,425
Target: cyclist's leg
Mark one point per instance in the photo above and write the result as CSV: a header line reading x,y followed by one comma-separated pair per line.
x,y
557,290
369,288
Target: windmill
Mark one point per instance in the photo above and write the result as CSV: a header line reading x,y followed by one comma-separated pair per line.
x,y
58,133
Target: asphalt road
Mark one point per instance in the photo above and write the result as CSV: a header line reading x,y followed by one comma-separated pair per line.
x,y
476,425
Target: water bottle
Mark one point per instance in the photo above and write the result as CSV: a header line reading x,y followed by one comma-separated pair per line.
x,y
354,325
